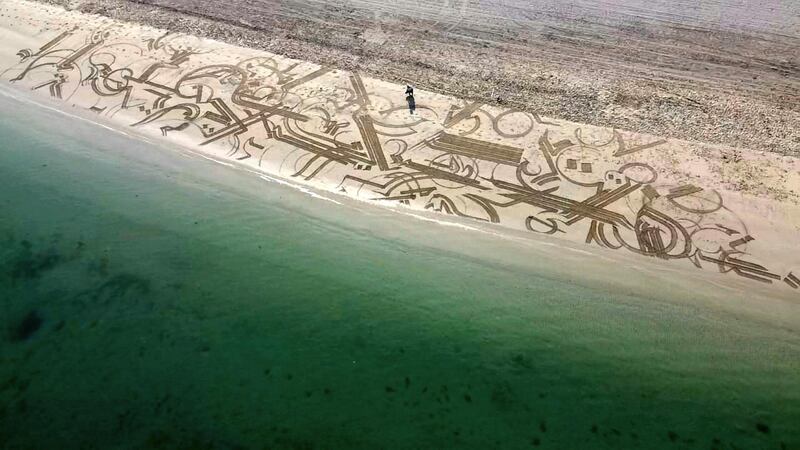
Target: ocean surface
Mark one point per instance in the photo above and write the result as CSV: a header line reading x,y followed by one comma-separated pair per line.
x,y
150,298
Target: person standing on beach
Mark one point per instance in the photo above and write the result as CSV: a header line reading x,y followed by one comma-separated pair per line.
x,y
412,105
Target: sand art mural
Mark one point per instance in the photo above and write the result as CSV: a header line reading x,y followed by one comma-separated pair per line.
x,y
356,136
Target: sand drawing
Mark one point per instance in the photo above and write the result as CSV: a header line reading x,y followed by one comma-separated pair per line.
x,y
344,131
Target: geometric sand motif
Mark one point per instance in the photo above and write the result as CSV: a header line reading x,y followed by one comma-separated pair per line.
x,y
338,130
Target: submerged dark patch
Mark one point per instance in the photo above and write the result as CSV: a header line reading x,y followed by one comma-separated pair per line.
x,y
27,327
25,263
28,265
117,287
673,436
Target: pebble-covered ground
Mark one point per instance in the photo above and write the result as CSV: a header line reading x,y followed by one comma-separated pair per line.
x,y
720,72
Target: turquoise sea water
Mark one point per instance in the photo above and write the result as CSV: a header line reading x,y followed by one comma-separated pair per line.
x,y
154,300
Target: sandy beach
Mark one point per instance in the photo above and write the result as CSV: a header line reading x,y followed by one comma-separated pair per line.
x,y
724,72
716,208
206,245
151,299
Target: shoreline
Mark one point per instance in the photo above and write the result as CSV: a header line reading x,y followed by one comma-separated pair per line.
x,y
220,312
493,247
361,138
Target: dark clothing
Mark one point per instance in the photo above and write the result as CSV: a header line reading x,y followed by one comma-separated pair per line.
x,y
411,103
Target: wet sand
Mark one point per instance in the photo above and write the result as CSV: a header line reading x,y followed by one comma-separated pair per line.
x,y
152,299
195,256
685,204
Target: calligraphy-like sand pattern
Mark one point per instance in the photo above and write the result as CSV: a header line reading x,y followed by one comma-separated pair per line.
x,y
355,135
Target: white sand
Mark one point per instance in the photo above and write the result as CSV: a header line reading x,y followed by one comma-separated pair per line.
x,y
688,204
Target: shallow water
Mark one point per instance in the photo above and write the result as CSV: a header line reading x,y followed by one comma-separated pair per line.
x,y
155,300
